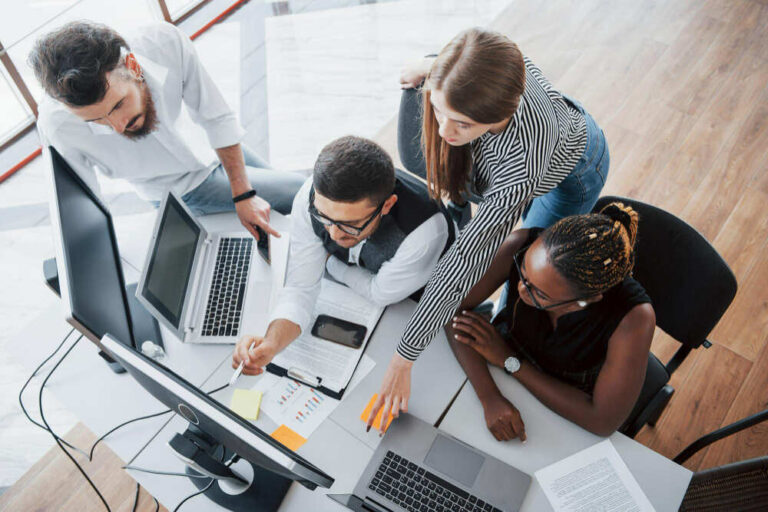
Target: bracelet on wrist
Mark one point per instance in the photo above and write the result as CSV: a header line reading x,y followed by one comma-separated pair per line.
x,y
244,196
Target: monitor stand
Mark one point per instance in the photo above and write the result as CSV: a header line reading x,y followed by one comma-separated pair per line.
x,y
240,485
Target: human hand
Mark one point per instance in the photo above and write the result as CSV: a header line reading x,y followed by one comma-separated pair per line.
x,y
394,393
414,73
256,352
476,331
254,212
503,419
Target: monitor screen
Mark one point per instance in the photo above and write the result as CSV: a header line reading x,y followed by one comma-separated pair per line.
x,y
170,264
218,421
94,274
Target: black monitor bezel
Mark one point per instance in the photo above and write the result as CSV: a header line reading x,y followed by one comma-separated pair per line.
x,y
216,405
58,163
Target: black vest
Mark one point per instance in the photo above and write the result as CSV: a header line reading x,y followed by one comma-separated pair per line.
x,y
412,208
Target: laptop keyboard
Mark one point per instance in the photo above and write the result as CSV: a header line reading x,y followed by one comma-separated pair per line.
x,y
415,489
230,280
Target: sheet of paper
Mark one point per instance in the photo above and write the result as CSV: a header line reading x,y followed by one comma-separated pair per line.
x,y
301,408
593,479
377,419
333,362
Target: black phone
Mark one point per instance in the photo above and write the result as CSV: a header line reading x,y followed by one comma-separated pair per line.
x,y
262,245
339,331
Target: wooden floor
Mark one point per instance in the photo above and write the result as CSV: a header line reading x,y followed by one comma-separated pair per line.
x,y
54,483
681,90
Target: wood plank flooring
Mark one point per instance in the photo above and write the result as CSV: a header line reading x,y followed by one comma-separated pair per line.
x,y
681,90
54,483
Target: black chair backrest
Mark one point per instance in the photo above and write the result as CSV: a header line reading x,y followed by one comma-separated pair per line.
x,y
690,285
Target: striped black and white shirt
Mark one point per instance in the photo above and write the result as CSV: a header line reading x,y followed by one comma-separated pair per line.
x,y
539,147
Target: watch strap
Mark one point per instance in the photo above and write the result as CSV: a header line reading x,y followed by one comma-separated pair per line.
x,y
244,196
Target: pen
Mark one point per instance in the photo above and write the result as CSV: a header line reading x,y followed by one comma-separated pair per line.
x,y
239,370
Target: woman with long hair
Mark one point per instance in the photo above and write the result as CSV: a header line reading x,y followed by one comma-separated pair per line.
x,y
493,131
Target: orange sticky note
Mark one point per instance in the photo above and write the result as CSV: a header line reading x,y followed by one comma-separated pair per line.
x,y
289,438
377,419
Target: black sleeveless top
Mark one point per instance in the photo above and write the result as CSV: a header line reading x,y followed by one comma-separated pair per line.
x,y
413,207
574,351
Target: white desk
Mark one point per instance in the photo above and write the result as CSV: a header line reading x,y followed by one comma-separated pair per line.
x,y
340,446
552,438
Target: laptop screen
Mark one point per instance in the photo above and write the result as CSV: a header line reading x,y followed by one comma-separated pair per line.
x,y
170,264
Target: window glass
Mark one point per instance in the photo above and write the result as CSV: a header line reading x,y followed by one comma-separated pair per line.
x,y
14,112
179,7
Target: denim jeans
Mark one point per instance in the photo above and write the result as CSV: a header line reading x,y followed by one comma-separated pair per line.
x,y
578,192
214,195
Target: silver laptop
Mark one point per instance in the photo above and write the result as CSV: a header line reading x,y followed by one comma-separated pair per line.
x,y
205,287
419,468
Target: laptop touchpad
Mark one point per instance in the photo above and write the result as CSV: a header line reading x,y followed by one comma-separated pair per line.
x,y
455,460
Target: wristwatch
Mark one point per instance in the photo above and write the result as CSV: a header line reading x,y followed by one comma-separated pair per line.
x,y
511,365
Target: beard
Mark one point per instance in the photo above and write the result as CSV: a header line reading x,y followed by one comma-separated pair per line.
x,y
150,117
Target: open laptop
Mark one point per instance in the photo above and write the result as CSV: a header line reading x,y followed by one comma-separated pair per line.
x,y
419,468
206,287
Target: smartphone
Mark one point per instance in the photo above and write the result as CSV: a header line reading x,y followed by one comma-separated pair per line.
x,y
339,331
262,245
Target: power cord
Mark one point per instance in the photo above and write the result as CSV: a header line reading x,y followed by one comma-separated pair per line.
x,y
24,387
62,442
55,437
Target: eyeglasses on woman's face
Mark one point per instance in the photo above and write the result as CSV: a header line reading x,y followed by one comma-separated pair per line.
x,y
536,294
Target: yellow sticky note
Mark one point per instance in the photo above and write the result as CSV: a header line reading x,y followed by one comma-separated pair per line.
x,y
288,437
246,403
377,419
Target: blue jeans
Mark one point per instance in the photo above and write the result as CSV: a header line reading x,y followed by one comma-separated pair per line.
x,y
577,193
214,195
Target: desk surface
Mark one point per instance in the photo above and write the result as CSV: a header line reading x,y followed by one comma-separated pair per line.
x,y
340,446
551,438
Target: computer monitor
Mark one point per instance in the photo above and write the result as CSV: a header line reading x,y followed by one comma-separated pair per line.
x,y
271,466
90,274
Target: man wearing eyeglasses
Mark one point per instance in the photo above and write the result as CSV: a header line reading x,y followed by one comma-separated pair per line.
x,y
373,228
143,108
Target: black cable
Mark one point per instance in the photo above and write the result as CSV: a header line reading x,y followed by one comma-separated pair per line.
x,y
93,447
194,494
24,387
55,437
165,473
136,498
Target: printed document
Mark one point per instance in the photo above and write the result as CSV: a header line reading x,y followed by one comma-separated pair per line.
x,y
593,479
332,362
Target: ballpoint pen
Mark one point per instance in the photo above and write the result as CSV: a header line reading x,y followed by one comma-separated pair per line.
x,y
239,370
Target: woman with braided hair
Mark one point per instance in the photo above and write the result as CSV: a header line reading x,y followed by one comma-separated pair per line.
x,y
577,327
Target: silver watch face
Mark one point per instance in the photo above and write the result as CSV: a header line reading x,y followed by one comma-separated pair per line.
x,y
512,364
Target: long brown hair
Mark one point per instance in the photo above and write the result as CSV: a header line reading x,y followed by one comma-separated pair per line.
x,y
482,75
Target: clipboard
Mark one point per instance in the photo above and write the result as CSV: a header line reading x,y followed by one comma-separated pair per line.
x,y
316,381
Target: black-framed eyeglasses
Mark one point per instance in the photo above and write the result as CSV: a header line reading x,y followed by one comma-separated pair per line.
x,y
530,288
347,228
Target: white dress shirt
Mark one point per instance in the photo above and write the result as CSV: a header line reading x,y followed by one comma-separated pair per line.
x,y
406,272
179,154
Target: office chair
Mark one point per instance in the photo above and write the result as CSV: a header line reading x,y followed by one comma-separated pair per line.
x,y
739,486
690,286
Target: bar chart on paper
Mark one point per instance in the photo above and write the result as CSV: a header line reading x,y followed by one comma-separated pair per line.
x,y
299,407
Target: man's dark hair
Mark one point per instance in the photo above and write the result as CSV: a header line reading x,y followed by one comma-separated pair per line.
x,y
72,62
353,168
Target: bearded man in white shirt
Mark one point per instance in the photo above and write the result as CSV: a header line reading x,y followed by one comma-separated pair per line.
x,y
114,105
374,228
